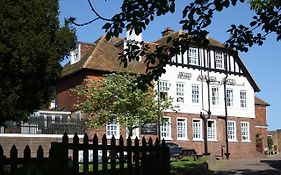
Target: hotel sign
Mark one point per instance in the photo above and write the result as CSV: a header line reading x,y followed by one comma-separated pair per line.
x,y
184,75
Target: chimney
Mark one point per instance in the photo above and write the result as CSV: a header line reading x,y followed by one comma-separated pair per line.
x,y
167,31
75,55
131,35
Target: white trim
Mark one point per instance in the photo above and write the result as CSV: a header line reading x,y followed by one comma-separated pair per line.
x,y
53,112
258,126
247,132
201,134
170,129
215,122
186,129
235,131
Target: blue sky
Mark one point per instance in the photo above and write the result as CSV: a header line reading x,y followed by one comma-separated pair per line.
x,y
263,62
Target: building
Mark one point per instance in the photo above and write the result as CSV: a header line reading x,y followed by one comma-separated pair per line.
x,y
198,81
276,138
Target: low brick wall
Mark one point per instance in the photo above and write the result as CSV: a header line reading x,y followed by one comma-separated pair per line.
x,y
34,141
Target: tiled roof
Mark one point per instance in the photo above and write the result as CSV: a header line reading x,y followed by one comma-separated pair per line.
x,y
104,57
171,36
261,102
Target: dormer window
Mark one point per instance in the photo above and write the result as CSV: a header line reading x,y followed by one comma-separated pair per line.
x,y
75,55
193,56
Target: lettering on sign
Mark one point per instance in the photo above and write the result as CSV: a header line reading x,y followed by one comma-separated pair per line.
x,y
184,75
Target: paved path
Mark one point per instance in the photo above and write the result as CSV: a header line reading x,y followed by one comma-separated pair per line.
x,y
270,165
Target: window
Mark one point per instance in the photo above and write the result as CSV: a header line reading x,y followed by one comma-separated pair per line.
x,y
181,129
195,94
211,129
163,88
196,129
166,128
218,59
245,131
112,129
215,96
180,92
135,133
229,97
231,130
193,56
243,99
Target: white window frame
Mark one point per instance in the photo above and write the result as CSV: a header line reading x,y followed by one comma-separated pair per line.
x,y
135,133
219,59
182,129
163,88
180,92
197,130
243,99
212,130
229,97
195,93
193,55
245,131
215,95
231,131
165,129
112,129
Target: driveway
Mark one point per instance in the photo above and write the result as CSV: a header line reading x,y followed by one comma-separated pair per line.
x,y
270,165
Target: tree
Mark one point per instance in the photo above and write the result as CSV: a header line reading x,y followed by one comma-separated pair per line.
x,y
32,44
117,98
196,17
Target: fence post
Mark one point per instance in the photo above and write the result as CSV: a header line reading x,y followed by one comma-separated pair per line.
x,y
2,158
121,157
143,157
64,151
75,154
104,153
95,155
26,161
86,153
129,155
156,156
14,157
40,157
165,158
137,156
113,153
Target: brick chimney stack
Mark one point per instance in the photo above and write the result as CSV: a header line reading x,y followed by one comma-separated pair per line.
x,y
167,31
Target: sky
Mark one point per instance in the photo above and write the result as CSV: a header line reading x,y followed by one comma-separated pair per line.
x,y
263,62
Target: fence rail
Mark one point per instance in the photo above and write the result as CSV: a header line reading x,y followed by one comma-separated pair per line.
x,y
91,157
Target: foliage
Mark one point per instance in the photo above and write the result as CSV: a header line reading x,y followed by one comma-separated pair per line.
x,y
31,46
117,98
270,142
196,18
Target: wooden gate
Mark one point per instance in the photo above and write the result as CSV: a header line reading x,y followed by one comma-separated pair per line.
x,y
259,147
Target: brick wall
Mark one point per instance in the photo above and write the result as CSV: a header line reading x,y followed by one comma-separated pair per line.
x,y
20,141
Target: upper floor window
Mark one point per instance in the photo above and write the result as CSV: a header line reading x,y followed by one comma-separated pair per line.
x,y
166,128
218,59
231,130
163,88
195,93
112,129
193,56
215,96
181,129
245,131
229,97
243,99
196,129
180,92
211,129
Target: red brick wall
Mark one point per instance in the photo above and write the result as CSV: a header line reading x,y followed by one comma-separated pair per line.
x,y
66,99
260,112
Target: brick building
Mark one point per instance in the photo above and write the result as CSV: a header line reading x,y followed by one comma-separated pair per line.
x,y
198,81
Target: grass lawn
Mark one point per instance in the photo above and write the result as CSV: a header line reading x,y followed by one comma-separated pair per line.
x,y
188,166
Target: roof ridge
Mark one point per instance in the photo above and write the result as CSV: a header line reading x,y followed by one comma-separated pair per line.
x,y
87,62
